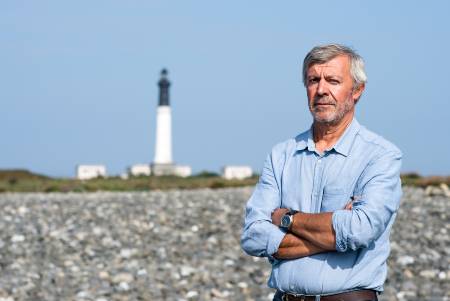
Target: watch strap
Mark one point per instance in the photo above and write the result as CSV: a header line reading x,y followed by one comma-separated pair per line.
x,y
292,212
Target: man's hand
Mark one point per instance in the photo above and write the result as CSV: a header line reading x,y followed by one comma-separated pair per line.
x,y
349,205
277,214
293,247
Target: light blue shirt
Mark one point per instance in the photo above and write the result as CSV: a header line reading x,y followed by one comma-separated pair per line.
x,y
361,164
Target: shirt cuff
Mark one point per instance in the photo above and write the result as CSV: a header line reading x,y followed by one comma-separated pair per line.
x,y
276,235
339,219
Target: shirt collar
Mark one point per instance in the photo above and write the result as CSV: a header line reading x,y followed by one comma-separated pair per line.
x,y
305,140
342,146
345,142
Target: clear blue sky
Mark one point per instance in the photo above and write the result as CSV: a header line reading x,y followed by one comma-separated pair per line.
x,y
78,78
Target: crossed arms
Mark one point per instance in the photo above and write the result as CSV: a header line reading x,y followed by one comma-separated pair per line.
x,y
343,230
309,234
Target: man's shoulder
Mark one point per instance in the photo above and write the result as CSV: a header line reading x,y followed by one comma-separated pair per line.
x,y
376,141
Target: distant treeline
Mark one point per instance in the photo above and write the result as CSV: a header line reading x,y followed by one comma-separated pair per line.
x,y
26,181
415,179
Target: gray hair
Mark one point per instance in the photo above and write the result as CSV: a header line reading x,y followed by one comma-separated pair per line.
x,y
324,53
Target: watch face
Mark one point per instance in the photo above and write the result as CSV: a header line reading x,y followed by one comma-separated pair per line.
x,y
285,221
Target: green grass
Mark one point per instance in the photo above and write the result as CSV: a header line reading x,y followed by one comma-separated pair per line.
x,y
25,181
118,184
414,179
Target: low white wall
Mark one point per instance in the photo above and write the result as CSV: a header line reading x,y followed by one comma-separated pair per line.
x,y
237,172
139,170
182,171
86,172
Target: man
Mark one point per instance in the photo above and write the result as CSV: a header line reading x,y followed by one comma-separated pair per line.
x,y
326,200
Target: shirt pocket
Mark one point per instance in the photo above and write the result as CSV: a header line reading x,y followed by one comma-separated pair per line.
x,y
333,199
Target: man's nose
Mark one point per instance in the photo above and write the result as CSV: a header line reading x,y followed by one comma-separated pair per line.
x,y
322,87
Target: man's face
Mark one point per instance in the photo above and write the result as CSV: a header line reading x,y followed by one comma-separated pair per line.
x,y
330,91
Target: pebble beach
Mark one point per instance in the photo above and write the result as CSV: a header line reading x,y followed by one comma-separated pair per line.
x,y
182,245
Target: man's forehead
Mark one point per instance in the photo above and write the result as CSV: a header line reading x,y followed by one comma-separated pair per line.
x,y
336,64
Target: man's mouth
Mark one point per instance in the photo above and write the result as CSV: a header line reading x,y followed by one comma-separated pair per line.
x,y
323,101
323,104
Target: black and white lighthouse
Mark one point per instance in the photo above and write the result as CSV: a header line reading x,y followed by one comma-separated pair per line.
x,y
163,146
163,163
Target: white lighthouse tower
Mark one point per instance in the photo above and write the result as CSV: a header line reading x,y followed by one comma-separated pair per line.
x,y
163,146
163,164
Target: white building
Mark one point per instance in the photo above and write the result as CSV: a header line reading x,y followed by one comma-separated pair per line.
x,y
237,172
86,172
182,171
137,170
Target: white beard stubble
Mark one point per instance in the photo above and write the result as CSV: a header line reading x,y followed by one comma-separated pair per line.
x,y
334,114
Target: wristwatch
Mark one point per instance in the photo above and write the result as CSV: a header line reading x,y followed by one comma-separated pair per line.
x,y
287,219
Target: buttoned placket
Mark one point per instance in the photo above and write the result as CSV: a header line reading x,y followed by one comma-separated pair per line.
x,y
317,183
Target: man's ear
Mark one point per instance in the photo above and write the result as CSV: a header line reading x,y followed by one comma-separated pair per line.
x,y
356,94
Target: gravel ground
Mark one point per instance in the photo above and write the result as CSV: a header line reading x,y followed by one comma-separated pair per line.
x,y
182,245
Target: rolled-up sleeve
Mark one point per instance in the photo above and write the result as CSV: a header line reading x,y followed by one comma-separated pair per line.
x,y
260,237
371,214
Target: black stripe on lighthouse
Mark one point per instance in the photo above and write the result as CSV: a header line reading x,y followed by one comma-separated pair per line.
x,y
164,85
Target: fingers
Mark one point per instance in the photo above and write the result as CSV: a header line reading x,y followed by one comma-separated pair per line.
x,y
277,214
349,206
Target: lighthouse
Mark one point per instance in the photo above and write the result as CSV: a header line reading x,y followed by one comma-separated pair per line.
x,y
163,146
163,164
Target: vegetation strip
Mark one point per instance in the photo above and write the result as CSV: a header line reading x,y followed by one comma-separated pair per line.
x,y
25,181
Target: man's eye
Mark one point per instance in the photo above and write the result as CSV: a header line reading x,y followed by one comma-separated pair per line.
x,y
334,81
313,80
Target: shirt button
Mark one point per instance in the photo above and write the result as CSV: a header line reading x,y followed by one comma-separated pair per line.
x,y
320,160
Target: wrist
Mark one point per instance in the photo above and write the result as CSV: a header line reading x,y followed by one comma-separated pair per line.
x,y
294,215
287,220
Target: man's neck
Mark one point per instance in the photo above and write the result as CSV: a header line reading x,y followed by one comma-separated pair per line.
x,y
326,135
